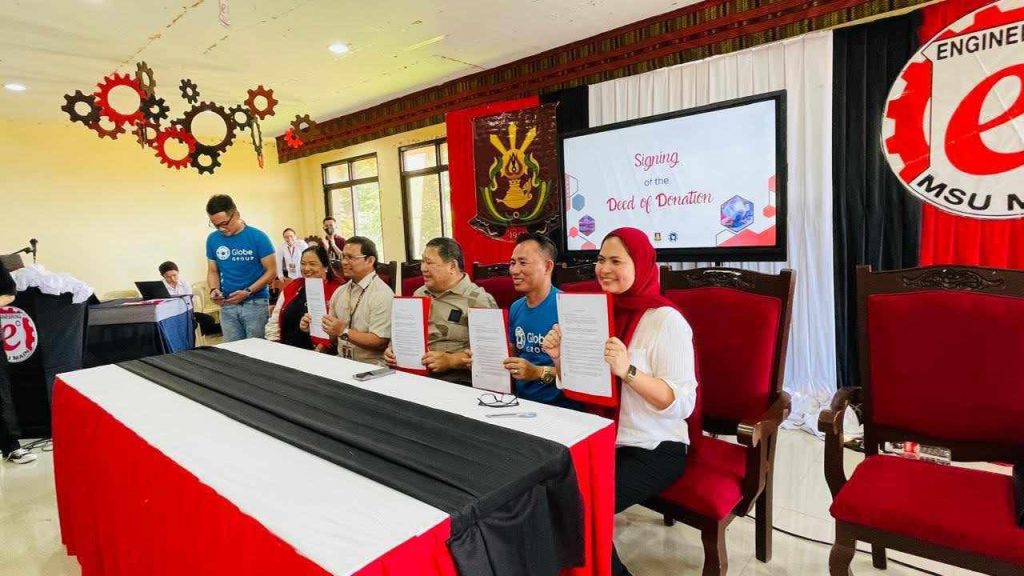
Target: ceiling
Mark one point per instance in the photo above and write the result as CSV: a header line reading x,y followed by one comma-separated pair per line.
x,y
396,47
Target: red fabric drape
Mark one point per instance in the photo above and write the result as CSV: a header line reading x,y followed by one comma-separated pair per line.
x,y
139,512
950,239
459,125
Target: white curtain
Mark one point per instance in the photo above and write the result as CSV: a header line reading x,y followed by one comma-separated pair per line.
x,y
803,67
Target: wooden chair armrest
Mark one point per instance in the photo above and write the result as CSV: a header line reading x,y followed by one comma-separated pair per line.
x,y
752,432
830,422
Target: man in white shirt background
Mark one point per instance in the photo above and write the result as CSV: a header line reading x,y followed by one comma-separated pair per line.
x,y
289,255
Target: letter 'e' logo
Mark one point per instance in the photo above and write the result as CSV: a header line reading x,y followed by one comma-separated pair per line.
x,y
953,129
19,335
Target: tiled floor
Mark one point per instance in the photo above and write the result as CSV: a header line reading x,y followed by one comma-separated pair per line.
x,y
30,533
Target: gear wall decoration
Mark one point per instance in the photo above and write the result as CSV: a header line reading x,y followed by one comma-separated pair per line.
x,y
145,78
149,123
229,124
304,127
160,145
268,95
71,102
189,91
103,98
205,159
292,140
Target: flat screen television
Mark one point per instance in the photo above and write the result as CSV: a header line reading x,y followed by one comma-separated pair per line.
x,y
707,184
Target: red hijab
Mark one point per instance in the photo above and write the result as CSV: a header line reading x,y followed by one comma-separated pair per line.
x,y
645,293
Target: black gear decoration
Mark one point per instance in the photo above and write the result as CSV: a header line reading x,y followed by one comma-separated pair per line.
x,y
111,133
191,113
71,108
240,111
142,133
209,152
304,127
155,109
189,91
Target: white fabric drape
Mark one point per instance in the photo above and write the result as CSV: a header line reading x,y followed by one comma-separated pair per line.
x,y
803,67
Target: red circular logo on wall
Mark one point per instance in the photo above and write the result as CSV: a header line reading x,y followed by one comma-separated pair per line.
x,y
953,129
20,337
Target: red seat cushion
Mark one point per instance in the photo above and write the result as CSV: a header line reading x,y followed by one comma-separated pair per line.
x,y
501,288
712,482
968,510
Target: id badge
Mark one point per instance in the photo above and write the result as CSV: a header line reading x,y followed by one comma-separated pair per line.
x,y
346,351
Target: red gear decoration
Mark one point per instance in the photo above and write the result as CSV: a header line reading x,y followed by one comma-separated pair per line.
x,y
250,102
103,94
291,139
181,136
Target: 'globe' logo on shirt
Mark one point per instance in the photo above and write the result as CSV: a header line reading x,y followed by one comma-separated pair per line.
x,y
520,338
223,253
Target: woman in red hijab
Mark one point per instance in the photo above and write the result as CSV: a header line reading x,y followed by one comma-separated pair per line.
x,y
652,356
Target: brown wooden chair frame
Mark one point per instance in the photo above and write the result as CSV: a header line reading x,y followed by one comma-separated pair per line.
x,y
830,421
758,435
485,271
391,269
564,274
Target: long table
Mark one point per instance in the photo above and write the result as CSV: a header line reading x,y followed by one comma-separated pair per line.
x,y
150,482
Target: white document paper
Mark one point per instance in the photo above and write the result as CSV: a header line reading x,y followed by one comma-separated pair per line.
x,y
583,319
408,340
488,340
316,305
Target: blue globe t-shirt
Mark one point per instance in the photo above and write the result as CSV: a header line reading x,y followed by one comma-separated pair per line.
x,y
238,258
526,330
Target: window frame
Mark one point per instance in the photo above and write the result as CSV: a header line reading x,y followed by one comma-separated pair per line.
x,y
351,184
404,175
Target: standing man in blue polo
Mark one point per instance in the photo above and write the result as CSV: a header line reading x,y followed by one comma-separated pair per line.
x,y
531,317
241,266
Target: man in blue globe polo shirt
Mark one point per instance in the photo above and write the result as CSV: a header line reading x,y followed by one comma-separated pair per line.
x,y
241,266
531,317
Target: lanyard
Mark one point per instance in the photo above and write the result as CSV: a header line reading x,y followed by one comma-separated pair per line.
x,y
352,314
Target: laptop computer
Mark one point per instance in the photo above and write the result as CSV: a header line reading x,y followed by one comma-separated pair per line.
x,y
152,289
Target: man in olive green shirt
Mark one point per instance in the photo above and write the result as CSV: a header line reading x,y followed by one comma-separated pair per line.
x,y
451,295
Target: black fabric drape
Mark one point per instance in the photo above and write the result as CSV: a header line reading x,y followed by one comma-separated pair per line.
x,y
513,498
875,220
573,112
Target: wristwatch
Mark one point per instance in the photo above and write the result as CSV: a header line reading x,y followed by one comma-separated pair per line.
x,y
344,334
630,374
548,376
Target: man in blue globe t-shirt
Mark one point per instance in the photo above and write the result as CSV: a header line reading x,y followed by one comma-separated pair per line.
x,y
241,265
531,317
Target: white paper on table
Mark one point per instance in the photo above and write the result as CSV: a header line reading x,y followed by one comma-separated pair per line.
x,y
488,340
585,326
316,305
408,337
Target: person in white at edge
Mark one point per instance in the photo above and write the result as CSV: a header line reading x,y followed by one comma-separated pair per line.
x,y
359,314
652,356
289,257
176,285
240,267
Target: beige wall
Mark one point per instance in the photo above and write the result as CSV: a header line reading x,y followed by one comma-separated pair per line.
x,y
109,213
389,169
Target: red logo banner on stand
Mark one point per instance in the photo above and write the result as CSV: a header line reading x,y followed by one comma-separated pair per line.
x,y
953,129
516,168
20,337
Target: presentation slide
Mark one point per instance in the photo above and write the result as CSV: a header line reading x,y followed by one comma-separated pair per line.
x,y
705,180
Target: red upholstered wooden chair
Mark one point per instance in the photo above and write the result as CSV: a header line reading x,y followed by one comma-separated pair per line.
x,y
495,279
740,321
579,279
412,278
938,348
388,272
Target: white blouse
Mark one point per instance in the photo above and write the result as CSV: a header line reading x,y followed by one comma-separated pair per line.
x,y
180,289
662,347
